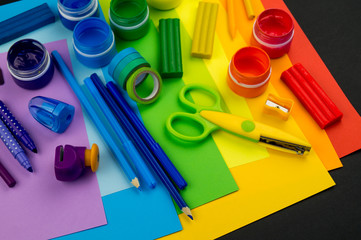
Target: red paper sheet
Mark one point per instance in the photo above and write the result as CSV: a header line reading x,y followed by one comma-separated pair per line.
x,y
345,135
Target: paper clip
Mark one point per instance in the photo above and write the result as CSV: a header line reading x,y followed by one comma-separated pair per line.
x,y
278,107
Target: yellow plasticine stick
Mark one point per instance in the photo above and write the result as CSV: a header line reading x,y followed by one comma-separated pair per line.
x,y
249,9
204,30
231,18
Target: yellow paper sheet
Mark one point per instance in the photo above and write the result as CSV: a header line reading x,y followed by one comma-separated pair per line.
x,y
265,186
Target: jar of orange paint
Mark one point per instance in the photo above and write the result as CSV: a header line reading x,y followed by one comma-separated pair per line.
x,y
273,32
249,72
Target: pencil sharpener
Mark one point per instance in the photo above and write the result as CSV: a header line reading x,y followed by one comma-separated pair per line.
x,y
51,113
278,107
71,161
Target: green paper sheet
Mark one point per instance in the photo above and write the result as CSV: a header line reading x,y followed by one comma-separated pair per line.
x,y
201,164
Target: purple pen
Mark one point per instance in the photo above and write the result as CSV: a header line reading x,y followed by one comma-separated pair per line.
x,y
15,128
5,175
14,147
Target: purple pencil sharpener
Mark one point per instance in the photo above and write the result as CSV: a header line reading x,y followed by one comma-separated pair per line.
x,y
71,161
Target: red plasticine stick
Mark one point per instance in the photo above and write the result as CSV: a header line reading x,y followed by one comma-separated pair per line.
x,y
311,95
331,105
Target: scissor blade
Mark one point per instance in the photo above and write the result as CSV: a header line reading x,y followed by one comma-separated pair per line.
x,y
288,146
257,132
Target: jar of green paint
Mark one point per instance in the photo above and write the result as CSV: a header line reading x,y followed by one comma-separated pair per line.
x,y
129,19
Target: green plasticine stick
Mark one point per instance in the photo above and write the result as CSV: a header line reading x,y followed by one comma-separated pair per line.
x,y
170,48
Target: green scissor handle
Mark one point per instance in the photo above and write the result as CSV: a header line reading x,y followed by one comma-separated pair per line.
x,y
207,126
197,107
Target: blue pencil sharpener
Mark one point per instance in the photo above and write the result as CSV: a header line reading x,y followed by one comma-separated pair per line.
x,y
51,113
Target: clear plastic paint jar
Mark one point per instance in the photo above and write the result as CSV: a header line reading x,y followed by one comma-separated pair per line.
x,y
94,42
30,64
249,72
273,32
73,11
164,4
129,19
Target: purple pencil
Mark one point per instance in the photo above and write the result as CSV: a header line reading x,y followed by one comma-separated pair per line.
x,y
15,128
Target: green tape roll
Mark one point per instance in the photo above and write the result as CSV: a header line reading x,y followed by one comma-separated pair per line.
x,y
123,72
138,76
124,61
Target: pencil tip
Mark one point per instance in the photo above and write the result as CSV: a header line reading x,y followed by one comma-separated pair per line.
x,y
187,211
34,150
30,169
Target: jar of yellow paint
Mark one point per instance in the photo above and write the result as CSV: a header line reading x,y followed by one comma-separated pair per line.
x,y
164,4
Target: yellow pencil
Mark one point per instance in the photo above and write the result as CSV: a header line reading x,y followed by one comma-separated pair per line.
x,y
249,9
231,18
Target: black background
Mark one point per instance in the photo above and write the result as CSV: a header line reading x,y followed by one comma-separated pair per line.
x,y
334,29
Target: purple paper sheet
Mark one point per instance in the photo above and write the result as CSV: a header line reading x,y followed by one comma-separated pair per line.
x,y
39,206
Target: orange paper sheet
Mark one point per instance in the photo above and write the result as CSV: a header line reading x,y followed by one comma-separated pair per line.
x,y
316,136
345,135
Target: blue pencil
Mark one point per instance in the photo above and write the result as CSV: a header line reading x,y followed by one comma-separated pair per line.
x,y
59,62
124,122
128,148
148,139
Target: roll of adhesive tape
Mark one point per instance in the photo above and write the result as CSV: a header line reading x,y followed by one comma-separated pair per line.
x,y
137,77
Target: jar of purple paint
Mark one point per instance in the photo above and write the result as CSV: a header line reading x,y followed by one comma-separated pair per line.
x,y
30,64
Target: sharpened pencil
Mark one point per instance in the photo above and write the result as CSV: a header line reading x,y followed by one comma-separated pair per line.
x,y
231,18
128,148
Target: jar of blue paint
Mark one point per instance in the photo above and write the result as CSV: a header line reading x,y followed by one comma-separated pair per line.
x,y
73,11
94,42
30,64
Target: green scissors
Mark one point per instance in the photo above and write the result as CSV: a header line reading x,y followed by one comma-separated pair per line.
x,y
213,117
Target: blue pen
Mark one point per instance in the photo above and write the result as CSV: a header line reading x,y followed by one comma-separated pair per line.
x,y
14,147
143,132
15,127
60,64
128,148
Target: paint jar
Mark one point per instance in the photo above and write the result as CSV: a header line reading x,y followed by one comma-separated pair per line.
x,y
129,19
164,4
273,32
73,11
249,72
30,64
94,42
